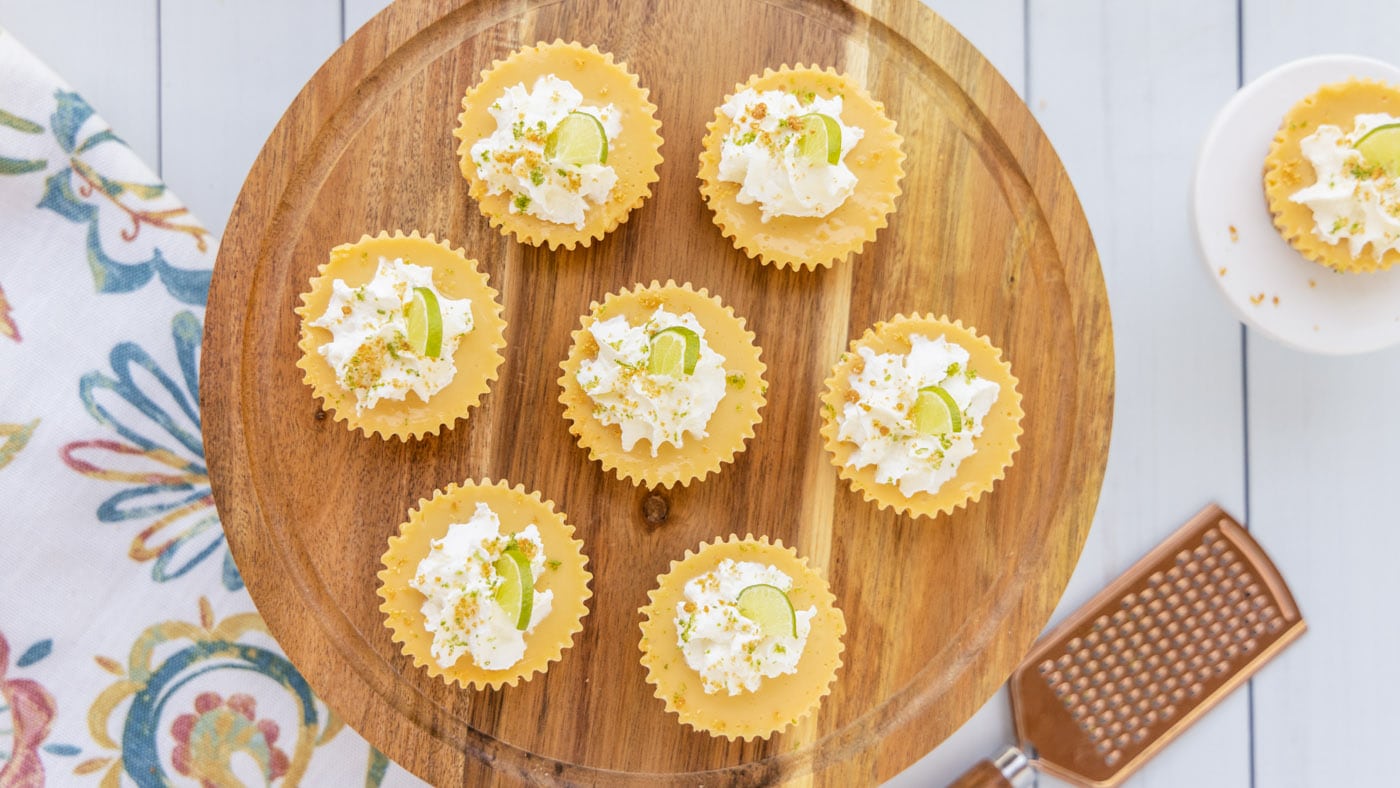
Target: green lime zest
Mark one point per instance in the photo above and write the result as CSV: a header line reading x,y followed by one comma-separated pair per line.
x,y
935,412
424,318
819,138
770,608
674,352
579,139
516,593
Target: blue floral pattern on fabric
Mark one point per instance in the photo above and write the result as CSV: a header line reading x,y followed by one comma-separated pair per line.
x,y
82,194
165,709
160,452
104,276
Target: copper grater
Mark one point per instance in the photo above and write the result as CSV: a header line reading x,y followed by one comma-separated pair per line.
x,y
1133,668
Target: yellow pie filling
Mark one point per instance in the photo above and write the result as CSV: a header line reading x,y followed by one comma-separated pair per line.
x,y
729,427
1286,170
1001,428
477,357
634,154
808,242
779,701
565,576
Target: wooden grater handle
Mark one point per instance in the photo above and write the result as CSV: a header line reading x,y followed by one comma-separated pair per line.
x,y
984,774
1009,769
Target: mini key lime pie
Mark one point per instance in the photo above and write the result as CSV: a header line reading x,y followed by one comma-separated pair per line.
x,y
922,415
559,144
484,584
400,335
1332,176
801,167
741,639
662,384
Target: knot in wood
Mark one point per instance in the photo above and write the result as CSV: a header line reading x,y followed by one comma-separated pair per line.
x,y
655,507
320,415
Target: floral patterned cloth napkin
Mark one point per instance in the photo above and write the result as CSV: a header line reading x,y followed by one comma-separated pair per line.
x,y
129,651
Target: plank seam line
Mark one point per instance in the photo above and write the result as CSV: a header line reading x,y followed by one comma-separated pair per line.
x,y
160,96
1026,51
1244,407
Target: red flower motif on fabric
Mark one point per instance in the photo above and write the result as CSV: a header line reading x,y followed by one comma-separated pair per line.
x,y
31,710
206,740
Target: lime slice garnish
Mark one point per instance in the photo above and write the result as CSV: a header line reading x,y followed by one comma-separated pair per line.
x,y
578,139
1381,148
935,412
770,608
424,318
819,139
516,594
674,351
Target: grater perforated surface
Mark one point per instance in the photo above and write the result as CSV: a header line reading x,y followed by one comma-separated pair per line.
x,y
1107,688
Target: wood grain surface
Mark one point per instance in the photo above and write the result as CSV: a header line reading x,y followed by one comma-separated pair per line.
x,y
988,231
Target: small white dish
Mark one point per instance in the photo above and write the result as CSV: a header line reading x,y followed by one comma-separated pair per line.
x,y
1274,288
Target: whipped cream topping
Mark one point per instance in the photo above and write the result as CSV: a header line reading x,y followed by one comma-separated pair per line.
x,y
880,424
459,580
1353,200
512,159
657,408
369,348
728,649
760,153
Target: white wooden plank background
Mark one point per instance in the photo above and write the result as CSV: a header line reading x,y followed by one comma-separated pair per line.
x,y
1323,493
1300,445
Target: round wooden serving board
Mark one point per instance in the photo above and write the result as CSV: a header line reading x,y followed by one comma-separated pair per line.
x,y
939,612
